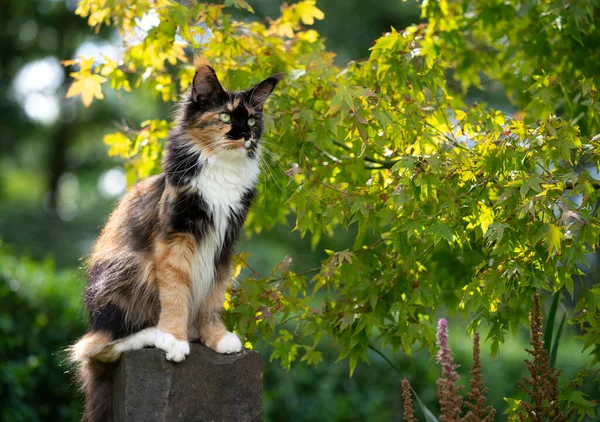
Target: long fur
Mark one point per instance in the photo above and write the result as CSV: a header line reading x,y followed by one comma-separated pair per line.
x,y
159,270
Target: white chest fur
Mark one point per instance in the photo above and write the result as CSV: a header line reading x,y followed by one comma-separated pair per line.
x,y
221,183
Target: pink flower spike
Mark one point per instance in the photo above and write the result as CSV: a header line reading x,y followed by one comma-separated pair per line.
x,y
442,338
444,355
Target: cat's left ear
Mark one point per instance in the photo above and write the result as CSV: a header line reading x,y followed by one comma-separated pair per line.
x,y
262,91
205,85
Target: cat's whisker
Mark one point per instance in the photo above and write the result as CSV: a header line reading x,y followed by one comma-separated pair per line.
x,y
274,145
177,170
268,180
275,158
270,175
263,198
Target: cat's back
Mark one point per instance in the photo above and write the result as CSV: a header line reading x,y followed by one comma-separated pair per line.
x,y
134,223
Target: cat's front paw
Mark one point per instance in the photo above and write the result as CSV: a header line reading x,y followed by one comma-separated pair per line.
x,y
176,350
230,343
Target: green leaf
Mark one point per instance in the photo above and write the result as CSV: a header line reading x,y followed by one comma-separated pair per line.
x,y
530,182
311,356
514,406
550,322
554,352
240,4
441,231
346,321
495,232
427,414
578,397
353,361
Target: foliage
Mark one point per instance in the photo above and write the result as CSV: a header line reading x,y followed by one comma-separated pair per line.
x,y
451,204
40,314
543,53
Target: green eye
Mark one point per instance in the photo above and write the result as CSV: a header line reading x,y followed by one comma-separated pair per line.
x,y
251,121
226,117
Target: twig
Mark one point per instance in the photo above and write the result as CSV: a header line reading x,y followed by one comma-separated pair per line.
x,y
386,164
254,272
287,320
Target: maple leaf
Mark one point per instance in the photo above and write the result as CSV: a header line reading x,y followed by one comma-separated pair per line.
x,y
89,87
345,255
553,237
309,12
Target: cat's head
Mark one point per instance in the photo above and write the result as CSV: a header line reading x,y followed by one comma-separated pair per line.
x,y
224,123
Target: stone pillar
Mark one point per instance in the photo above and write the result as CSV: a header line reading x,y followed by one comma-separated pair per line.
x,y
206,386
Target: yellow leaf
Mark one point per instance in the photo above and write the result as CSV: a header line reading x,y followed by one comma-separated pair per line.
x,y
88,87
309,12
227,303
239,262
486,217
310,36
67,63
237,270
286,30
459,115
499,118
119,144
553,237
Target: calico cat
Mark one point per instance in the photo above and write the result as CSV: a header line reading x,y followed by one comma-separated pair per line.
x,y
159,270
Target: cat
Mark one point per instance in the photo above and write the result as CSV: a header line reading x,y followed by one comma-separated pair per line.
x,y
158,272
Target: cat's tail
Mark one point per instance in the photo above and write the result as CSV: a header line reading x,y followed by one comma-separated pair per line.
x,y
96,379
94,356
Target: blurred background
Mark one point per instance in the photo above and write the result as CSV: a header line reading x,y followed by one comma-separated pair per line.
x,y
58,186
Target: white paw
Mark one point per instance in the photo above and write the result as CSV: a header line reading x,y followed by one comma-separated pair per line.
x,y
176,350
230,343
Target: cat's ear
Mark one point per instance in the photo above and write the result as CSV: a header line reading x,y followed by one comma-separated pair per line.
x,y
205,84
259,94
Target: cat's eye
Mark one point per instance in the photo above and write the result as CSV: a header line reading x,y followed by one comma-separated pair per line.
x,y
225,117
251,121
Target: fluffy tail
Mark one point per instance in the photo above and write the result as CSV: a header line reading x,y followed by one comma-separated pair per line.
x,y
93,356
96,379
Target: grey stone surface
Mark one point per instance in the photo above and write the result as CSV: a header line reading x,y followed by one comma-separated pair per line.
x,y
206,386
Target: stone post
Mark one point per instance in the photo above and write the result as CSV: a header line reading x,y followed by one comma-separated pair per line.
x,y
206,386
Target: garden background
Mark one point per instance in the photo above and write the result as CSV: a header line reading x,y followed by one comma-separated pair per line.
x,y
58,184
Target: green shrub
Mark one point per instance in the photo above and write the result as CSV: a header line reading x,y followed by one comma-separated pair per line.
x,y
40,314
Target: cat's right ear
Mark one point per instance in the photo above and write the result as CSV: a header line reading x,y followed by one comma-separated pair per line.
x,y
205,85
